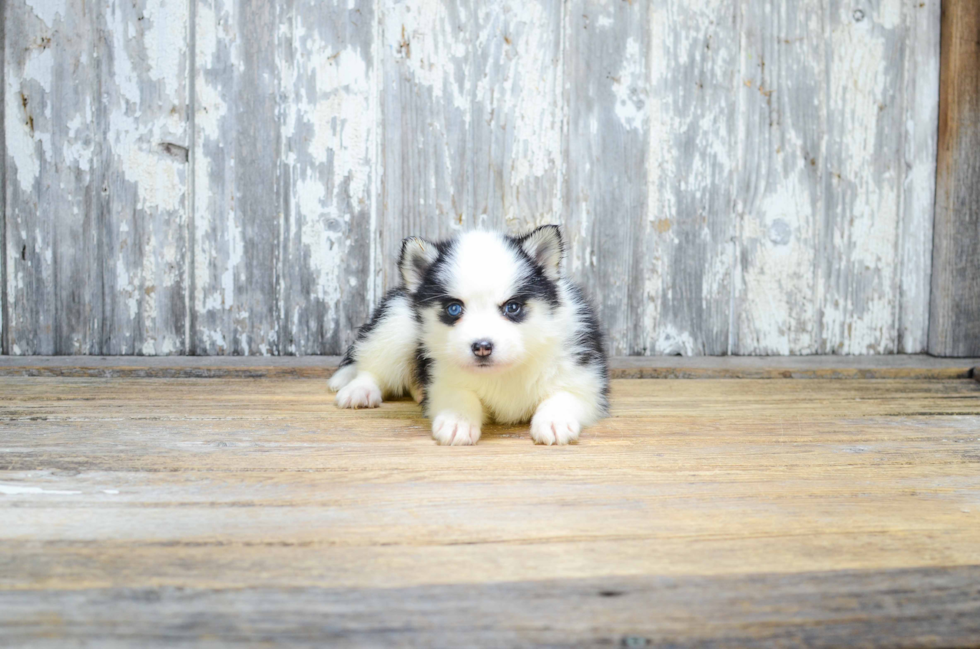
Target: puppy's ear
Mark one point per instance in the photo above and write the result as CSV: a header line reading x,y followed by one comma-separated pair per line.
x,y
545,247
416,257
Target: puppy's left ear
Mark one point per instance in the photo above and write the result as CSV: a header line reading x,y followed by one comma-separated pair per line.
x,y
545,247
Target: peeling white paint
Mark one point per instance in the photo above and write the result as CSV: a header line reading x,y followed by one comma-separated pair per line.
x,y
48,10
488,88
630,87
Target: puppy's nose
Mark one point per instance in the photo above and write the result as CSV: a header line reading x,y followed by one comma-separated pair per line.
x,y
482,348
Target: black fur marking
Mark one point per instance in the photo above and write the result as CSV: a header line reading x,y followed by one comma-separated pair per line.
x,y
423,375
432,290
376,318
589,340
535,284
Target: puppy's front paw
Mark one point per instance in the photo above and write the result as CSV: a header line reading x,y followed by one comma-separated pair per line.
x,y
359,393
551,425
451,429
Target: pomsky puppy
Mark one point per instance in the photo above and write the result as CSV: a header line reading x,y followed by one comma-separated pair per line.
x,y
484,327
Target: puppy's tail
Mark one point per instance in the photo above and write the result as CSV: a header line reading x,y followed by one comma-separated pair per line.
x,y
342,377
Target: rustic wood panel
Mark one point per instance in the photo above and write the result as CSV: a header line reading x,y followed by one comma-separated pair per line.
x,y
144,156
836,179
683,294
921,88
4,305
897,608
892,366
858,237
780,195
238,191
52,123
330,113
472,118
233,177
807,511
95,190
954,328
607,85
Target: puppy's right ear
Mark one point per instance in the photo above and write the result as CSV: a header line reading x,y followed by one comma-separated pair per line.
x,y
416,257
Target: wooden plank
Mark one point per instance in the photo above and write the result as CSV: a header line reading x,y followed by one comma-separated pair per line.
x,y
330,113
920,607
836,229
96,146
864,170
621,367
732,512
238,190
780,194
607,64
144,156
954,328
4,305
53,121
689,226
921,90
472,118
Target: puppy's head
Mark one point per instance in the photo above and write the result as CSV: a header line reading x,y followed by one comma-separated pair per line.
x,y
487,302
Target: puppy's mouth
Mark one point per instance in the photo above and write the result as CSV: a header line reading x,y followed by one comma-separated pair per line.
x,y
486,365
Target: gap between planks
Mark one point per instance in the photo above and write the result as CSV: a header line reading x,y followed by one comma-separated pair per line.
x,y
621,367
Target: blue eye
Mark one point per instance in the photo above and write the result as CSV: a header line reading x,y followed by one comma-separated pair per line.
x,y
454,309
513,307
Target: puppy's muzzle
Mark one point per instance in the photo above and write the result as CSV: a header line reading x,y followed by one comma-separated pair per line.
x,y
482,348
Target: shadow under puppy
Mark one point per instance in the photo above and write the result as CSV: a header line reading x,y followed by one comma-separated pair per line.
x,y
483,327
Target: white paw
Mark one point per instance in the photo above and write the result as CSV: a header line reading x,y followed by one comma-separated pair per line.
x,y
450,429
551,425
359,393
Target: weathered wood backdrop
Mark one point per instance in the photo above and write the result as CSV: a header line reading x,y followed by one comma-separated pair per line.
x,y
234,176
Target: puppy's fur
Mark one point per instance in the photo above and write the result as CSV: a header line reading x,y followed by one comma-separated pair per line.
x,y
483,327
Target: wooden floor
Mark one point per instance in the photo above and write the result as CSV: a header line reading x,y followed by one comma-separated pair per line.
x,y
151,512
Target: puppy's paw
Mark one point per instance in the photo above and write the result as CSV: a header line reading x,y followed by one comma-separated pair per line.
x,y
551,425
451,429
359,393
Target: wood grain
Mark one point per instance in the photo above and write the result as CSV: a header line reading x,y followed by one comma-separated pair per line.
x,y
4,303
621,367
238,191
472,118
96,150
329,78
234,177
898,608
726,512
607,68
954,328
838,120
52,236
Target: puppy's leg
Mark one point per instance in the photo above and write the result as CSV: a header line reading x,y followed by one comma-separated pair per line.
x,y
344,375
559,419
381,360
457,415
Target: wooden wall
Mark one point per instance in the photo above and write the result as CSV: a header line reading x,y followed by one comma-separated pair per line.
x,y
235,176
955,317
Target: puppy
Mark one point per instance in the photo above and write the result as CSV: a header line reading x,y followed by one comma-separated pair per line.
x,y
484,327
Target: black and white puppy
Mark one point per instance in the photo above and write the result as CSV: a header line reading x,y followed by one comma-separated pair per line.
x,y
484,327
